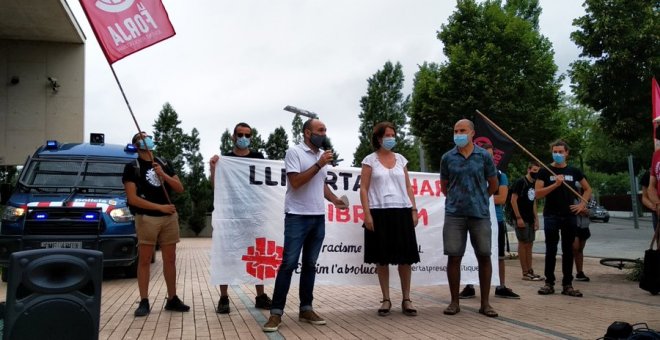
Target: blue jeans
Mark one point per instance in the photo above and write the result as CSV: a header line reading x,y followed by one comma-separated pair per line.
x,y
306,233
553,225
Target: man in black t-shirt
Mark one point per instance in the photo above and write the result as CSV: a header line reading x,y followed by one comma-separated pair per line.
x,y
560,215
526,222
241,137
156,219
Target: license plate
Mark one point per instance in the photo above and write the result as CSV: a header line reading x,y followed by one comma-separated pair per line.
x,y
62,244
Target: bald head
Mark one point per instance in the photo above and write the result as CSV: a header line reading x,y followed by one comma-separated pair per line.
x,y
464,123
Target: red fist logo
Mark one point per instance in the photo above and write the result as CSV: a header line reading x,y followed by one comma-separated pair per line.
x,y
263,259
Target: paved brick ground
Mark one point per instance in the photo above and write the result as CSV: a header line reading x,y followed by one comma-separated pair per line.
x,y
351,311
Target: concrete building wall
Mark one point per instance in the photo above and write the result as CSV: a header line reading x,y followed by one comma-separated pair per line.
x,y
31,109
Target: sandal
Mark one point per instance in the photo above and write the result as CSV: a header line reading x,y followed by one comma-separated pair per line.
x,y
570,291
547,290
408,311
489,312
385,311
452,310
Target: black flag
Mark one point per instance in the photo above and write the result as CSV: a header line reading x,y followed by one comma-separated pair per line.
x,y
502,146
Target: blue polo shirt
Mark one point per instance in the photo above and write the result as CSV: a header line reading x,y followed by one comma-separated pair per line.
x,y
467,187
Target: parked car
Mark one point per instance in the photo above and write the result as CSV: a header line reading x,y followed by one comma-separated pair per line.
x,y
599,213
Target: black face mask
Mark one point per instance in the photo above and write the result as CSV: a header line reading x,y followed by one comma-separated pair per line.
x,y
533,175
657,132
317,140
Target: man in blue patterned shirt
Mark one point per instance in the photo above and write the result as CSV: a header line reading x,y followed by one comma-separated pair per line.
x,y
468,177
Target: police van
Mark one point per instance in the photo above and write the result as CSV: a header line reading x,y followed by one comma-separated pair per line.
x,y
72,196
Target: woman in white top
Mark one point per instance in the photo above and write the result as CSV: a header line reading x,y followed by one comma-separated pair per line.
x,y
390,215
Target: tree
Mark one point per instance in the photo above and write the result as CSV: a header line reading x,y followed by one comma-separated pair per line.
x,y
620,53
498,63
256,142
297,130
278,143
385,102
226,144
577,122
197,185
169,138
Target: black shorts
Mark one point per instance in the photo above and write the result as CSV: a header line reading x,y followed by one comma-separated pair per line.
x,y
583,234
501,234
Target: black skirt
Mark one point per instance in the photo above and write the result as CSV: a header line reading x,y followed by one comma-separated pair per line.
x,y
393,240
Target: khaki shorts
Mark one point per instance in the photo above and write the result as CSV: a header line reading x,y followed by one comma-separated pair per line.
x,y
164,229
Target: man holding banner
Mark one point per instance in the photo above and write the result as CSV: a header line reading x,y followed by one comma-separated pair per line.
x,y
304,222
241,137
468,177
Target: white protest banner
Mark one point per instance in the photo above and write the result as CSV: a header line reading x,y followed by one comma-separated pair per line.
x,y
248,228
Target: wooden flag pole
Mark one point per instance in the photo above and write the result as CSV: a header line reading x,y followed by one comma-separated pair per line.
x,y
151,155
528,153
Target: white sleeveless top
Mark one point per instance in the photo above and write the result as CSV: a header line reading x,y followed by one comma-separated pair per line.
x,y
388,186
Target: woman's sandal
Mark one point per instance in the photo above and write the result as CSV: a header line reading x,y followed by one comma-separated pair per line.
x,y
385,311
489,312
570,291
408,311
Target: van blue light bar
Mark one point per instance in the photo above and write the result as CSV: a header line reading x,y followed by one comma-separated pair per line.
x,y
51,144
130,148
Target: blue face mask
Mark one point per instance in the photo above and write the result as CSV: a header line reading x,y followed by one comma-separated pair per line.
x,y
148,141
242,142
460,140
388,143
558,158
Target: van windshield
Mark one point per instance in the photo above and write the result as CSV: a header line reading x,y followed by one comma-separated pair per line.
x,y
46,175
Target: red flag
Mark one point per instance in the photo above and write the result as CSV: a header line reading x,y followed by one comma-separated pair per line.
x,y
124,27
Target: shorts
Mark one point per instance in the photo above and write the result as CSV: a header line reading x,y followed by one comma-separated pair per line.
x,y
501,235
454,235
526,234
583,234
161,229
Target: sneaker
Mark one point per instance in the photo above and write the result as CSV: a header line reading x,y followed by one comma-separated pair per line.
x,y
538,277
272,324
507,293
311,317
467,293
143,309
262,301
532,277
581,277
176,305
223,305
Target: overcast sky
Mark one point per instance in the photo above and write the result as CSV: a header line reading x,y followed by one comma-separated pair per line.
x,y
234,61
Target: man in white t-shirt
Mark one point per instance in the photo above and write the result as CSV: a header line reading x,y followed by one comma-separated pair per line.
x,y
304,222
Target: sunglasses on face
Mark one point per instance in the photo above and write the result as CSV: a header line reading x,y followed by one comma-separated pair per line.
x,y
241,135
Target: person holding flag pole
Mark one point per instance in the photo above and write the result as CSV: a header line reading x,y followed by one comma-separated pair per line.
x,y
560,215
121,29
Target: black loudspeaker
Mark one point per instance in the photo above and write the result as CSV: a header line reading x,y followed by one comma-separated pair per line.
x,y
54,294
